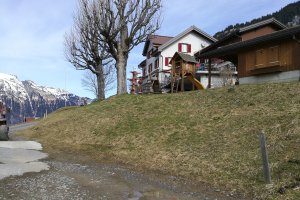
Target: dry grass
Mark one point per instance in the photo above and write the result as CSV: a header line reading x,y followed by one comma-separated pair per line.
x,y
210,136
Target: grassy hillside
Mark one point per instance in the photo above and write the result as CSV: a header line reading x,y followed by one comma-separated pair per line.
x,y
209,136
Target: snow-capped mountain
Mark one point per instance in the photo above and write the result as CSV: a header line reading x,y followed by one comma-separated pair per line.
x,y
27,99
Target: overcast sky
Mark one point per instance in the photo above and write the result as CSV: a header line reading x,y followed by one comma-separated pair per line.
x,y
32,32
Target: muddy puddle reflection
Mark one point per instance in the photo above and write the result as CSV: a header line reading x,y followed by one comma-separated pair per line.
x,y
75,180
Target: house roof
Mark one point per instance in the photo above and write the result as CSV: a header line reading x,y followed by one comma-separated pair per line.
x,y
179,36
185,57
159,40
289,33
272,21
238,33
234,34
142,64
156,40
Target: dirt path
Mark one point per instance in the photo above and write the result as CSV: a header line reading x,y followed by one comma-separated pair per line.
x,y
74,176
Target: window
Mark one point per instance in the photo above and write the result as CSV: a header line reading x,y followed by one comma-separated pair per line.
x,y
273,55
167,60
260,58
156,63
268,57
149,68
144,71
149,54
184,48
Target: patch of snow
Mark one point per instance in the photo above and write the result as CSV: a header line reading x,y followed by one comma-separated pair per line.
x,y
49,93
21,145
18,157
11,87
18,169
9,155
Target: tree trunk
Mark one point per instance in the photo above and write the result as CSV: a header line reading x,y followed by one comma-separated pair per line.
x,y
100,83
100,92
121,75
122,61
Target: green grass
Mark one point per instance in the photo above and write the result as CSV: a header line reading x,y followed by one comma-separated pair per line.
x,y
210,136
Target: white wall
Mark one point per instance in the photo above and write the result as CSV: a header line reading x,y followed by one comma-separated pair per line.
x,y
274,77
192,38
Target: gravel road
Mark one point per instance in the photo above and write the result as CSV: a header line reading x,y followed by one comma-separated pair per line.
x,y
79,177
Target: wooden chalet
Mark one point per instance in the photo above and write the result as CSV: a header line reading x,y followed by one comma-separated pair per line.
x,y
268,57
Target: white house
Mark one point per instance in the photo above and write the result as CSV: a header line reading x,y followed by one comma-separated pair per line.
x,y
160,49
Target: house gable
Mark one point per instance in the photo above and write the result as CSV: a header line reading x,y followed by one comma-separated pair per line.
x,y
194,29
160,49
260,29
272,22
247,33
155,41
189,43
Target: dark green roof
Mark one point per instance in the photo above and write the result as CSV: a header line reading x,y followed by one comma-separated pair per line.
x,y
186,57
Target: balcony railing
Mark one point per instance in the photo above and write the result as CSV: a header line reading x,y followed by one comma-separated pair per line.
x,y
204,67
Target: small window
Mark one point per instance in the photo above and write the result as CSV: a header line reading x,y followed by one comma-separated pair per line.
x,y
260,58
167,60
156,63
150,68
184,48
149,54
273,55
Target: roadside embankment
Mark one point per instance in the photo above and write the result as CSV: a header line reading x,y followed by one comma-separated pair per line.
x,y
209,136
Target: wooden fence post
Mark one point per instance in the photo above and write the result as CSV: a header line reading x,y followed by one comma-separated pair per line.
x,y
264,155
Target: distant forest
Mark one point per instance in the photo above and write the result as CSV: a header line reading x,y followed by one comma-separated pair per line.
x,y
289,15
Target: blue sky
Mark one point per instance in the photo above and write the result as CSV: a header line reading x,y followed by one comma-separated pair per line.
x,y
32,33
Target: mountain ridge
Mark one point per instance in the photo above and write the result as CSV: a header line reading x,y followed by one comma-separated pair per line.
x,y
27,99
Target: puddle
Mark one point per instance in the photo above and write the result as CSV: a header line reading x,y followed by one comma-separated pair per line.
x,y
135,196
87,179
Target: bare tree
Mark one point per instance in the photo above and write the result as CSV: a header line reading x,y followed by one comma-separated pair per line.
x,y
123,24
84,48
89,81
227,75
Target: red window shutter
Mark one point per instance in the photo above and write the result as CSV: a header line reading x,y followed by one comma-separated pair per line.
x,y
166,61
179,47
189,48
